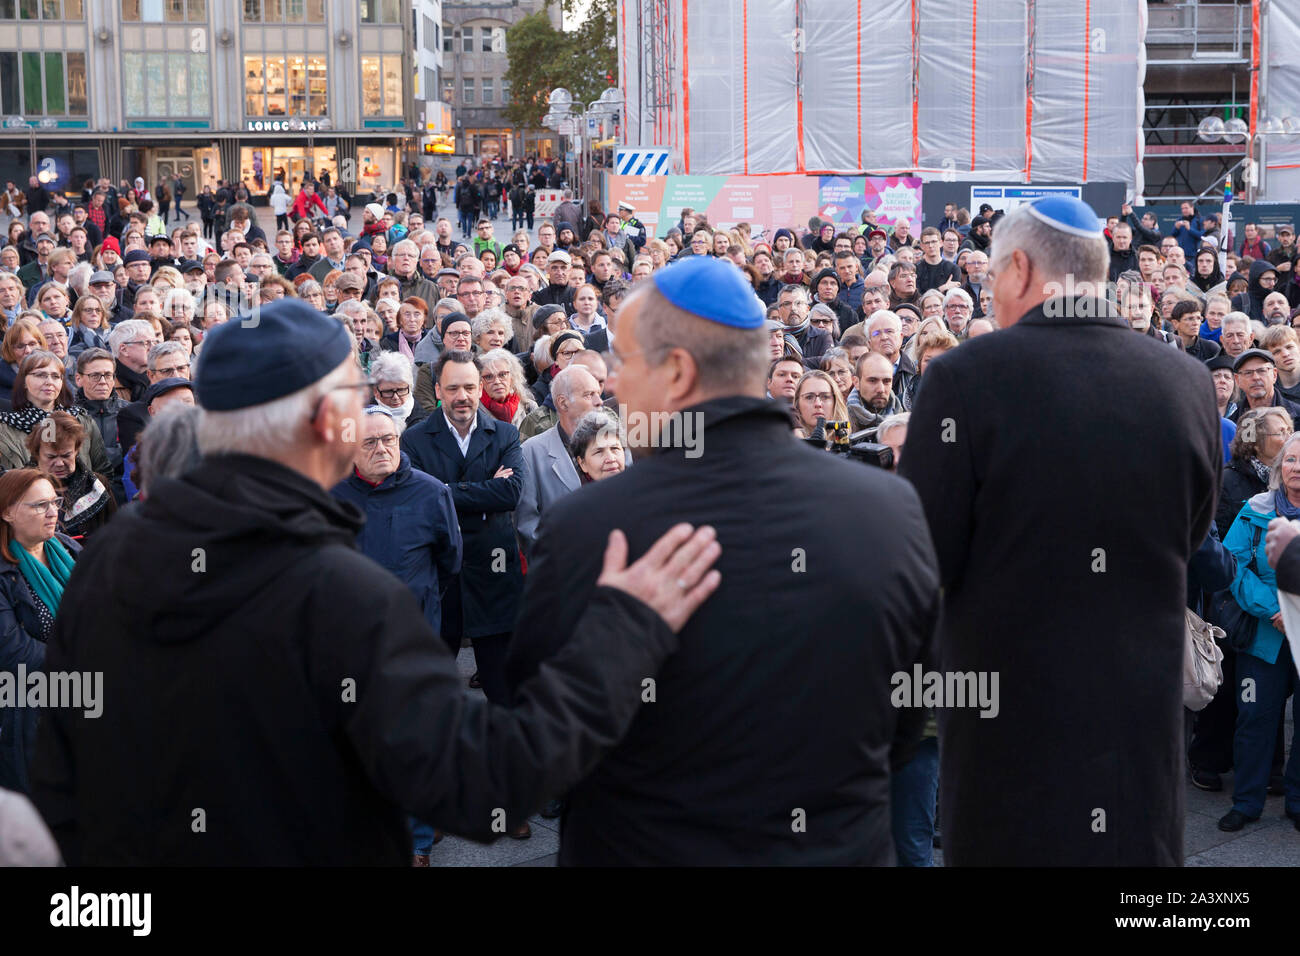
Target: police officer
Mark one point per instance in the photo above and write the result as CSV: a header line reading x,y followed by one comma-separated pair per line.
x,y
633,228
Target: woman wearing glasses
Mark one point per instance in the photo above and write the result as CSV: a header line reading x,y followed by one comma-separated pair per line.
x,y
88,327
40,389
394,387
35,562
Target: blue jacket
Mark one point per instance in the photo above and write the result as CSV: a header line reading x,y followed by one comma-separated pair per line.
x,y
21,642
1190,238
410,530
1256,590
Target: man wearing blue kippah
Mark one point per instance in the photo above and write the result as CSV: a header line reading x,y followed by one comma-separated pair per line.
x,y
770,737
1057,580
274,697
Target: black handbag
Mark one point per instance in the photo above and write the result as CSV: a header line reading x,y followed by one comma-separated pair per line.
x,y
1238,625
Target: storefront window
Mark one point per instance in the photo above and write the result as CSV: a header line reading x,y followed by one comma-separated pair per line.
x,y
381,11
169,11
42,9
381,85
376,166
285,85
261,166
40,84
254,101
317,100
297,75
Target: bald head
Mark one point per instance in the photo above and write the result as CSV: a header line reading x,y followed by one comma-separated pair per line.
x,y
576,392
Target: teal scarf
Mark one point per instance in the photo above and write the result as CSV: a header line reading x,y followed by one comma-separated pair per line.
x,y
48,583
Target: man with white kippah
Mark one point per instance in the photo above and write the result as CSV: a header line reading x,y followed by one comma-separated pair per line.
x,y
1059,582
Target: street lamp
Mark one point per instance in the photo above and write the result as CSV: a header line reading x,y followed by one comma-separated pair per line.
x,y
564,107
1212,129
20,122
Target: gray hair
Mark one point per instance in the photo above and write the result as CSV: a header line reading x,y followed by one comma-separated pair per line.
x,y
932,294
899,420
796,290
353,308
597,422
729,360
1057,256
483,321
518,381
79,277
168,445
565,382
395,414
542,349
405,245
181,295
1275,466
958,294
391,367
269,429
163,349
126,331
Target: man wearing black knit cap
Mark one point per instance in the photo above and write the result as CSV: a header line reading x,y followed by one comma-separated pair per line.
x,y
273,697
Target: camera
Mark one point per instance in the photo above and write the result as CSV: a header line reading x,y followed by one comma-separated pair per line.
x,y
834,437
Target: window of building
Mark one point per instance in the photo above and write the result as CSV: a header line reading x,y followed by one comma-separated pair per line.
x,y
164,11
448,90
485,43
166,84
43,84
448,39
429,88
467,92
281,11
280,84
488,91
381,11
42,10
467,40
381,85
505,91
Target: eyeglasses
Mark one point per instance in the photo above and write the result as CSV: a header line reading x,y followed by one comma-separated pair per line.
x,y
99,376
388,394
388,441
1260,372
45,376
43,507
496,376
173,371
567,353
148,342
823,397
364,383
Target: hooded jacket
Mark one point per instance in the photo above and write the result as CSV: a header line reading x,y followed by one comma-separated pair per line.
x,y
1252,300
258,666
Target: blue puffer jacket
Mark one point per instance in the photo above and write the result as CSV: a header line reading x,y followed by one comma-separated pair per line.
x,y
1255,587
21,642
411,530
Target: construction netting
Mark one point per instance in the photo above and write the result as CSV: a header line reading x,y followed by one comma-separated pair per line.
x,y
1008,90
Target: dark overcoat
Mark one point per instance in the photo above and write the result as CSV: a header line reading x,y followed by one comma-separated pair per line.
x,y
1064,512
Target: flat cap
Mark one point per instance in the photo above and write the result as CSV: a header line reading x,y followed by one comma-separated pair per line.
x,y
1241,359
290,346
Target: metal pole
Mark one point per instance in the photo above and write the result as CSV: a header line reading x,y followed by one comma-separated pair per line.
x,y
31,136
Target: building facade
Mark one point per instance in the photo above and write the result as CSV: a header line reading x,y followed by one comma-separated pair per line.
x,y
245,90
474,79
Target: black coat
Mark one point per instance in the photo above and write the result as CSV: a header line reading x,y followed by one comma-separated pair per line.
x,y
231,690
21,642
1026,473
1237,485
779,697
489,596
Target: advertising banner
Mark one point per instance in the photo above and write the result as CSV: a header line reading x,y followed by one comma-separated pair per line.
x,y
767,203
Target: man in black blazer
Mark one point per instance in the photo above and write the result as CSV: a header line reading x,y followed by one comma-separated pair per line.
x,y
480,460
1059,575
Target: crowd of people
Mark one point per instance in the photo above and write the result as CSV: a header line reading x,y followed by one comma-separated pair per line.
x,y
494,377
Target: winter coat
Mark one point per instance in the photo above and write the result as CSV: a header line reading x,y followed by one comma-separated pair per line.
x,y
490,578
780,695
294,691
93,456
22,641
1252,300
410,530
1075,598
1237,485
1255,585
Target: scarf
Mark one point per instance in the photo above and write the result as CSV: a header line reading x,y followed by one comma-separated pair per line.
x,y
84,496
404,347
28,418
47,582
1262,471
1283,505
502,411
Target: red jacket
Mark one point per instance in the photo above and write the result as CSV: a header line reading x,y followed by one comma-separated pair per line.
x,y
302,205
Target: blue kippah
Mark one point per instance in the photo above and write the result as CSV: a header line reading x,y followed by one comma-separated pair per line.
x,y
713,290
1068,215
284,347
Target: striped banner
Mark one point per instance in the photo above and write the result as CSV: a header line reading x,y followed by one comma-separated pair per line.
x,y
642,160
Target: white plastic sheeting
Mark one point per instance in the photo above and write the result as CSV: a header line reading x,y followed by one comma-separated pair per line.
x,y
1279,96
1011,90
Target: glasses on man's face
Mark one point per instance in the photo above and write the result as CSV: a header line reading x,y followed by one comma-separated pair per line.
x,y
145,342
394,394
44,507
173,371
1261,372
821,322
99,376
388,441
